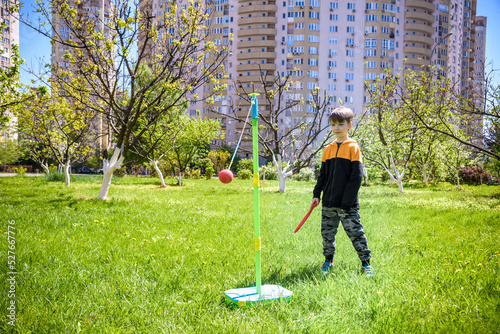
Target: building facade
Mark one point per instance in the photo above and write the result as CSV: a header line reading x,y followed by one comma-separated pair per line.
x,y
337,46
9,37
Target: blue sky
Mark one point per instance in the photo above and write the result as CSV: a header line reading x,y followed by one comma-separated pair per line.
x,y
36,48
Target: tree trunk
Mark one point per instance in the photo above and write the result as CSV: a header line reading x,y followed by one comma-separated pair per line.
x,y
46,168
365,174
66,173
160,174
282,173
179,178
425,176
107,172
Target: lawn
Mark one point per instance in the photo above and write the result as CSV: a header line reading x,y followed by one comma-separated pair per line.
x,y
153,260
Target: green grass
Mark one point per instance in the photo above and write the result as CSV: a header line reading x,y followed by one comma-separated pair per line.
x,y
153,260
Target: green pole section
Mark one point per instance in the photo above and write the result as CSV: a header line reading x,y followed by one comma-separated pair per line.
x,y
256,205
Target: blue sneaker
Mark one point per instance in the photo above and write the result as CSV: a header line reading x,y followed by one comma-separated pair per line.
x,y
326,267
370,272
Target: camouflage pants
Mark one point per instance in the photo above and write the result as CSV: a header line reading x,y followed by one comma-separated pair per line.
x,y
350,219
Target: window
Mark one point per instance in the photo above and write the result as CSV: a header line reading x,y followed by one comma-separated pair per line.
x,y
298,37
334,5
332,87
371,29
372,5
350,18
312,74
350,30
332,41
370,53
334,29
349,76
313,50
370,43
351,6
313,38
333,76
312,62
371,64
313,15
334,17
371,18
349,64
349,88
349,53
332,63
313,26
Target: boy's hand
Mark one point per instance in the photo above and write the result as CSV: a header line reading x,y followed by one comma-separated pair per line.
x,y
315,200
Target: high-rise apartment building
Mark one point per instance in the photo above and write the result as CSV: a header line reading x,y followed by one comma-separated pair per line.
x,y
9,37
98,11
337,46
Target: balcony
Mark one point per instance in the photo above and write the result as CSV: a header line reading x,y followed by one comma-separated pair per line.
x,y
420,16
255,55
256,32
419,27
255,67
412,50
256,8
256,44
420,4
417,62
419,39
256,20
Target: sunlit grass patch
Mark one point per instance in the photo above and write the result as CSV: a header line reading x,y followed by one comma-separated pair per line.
x,y
159,260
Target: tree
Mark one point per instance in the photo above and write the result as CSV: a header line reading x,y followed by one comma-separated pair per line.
x,y
453,114
294,146
160,137
388,135
54,127
10,152
103,72
193,139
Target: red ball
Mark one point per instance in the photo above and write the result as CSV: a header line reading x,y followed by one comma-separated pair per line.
x,y
225,176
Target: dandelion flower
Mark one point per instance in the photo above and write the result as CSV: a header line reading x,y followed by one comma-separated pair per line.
x,y
133,239
460,262
96,221
152,255
479,264
458,270
472,271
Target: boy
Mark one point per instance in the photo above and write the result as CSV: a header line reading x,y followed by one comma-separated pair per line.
x,y
339,179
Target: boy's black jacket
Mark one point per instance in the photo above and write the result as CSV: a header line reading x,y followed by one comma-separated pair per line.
x,y
340,175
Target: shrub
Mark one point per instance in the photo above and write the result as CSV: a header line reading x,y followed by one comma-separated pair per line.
x,y
20,171
245,174
209,172
54,177
474,175
196,174
268,172
245,164
305,174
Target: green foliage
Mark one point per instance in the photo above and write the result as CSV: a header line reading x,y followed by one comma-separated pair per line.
x,y
245,164
220,159
245,174
305,174
268,172
160,260
209,172
20,171
10,152
54,176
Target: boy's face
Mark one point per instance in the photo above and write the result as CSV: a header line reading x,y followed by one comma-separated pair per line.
x,y
340,129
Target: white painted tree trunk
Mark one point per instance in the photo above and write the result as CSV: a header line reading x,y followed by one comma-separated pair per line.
x,y
108,169
395,176
365,174
179,178
160,174
282,173
66,172
45,168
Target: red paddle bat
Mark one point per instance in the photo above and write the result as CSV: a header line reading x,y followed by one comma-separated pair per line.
x,y
305,217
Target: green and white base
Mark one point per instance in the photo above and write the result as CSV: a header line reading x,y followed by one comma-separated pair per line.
x,y
245,297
